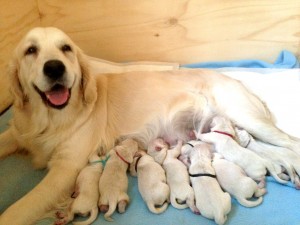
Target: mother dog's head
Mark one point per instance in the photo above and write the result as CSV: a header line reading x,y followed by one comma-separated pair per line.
x,y
49,68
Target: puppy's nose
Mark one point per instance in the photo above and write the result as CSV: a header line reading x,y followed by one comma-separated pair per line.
x,y
54,69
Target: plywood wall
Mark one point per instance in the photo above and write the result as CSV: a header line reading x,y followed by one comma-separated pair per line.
x,y
182,31
16,18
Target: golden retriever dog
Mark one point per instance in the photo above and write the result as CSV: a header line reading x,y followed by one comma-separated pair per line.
x,y
62,113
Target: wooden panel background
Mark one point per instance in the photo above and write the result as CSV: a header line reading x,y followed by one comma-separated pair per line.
x,y
182,31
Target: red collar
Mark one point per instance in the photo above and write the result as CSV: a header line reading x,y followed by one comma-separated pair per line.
x,y
227,134
124,160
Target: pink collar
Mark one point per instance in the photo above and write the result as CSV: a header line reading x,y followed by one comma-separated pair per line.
x,y
221,132
124,160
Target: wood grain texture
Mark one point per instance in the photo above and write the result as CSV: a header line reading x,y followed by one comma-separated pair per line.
x,y
183,31
178,30
16,17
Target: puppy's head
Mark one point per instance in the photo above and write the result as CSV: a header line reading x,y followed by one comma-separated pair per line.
x,y
48,67
133,166
128,148
158,150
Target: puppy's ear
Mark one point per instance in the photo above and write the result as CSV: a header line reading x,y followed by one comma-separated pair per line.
x,y
88,84
126,153
15,85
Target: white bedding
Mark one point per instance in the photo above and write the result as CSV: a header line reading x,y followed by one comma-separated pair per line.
x,y
279,89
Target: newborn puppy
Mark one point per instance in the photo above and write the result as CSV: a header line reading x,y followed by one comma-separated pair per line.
x,y
86,192
284,159
186,151
233,179
113,183
157,148
151,182
182,194
212,202
221,135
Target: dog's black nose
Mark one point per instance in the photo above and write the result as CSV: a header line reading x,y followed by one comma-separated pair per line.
x,y
54,69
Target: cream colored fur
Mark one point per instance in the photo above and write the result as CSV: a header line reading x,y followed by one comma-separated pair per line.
x,y
151,182
181,193
254,166
211,201
87,194
113,183
234,180
104,107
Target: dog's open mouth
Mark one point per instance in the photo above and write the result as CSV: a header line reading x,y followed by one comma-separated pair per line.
x,y
57,97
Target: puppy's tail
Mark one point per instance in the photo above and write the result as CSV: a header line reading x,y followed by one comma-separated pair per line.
x,y
93,216
248,203
175,203
272,171
111,210
157,210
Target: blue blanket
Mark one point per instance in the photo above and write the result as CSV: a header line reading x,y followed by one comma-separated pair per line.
x,y
285,60
280,205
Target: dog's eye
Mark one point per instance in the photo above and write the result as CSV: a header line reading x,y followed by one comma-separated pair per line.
x,y
31,50
66,48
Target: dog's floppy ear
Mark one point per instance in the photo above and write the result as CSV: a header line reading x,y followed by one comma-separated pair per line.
x,y
15,85
126,153
88,84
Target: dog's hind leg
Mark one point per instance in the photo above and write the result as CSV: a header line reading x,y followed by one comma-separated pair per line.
x,y
266,131
122,206
8,143
123,202
247,111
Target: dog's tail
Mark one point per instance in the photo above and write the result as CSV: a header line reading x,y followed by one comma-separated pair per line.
x,y
175,203
157,210
248,203
111,210
272,171
93,216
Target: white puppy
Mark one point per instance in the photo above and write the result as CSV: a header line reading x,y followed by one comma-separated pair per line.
x,y
151,182
86,192
181,193
285,159
113,183
158,148
212,202
186,152
221,135
234,180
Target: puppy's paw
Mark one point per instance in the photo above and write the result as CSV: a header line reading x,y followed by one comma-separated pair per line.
x,y
103,208
122,206
297,182
60,222
60,215
262,183
197,212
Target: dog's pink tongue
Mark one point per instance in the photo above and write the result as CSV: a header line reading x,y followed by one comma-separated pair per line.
x,y
58,97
